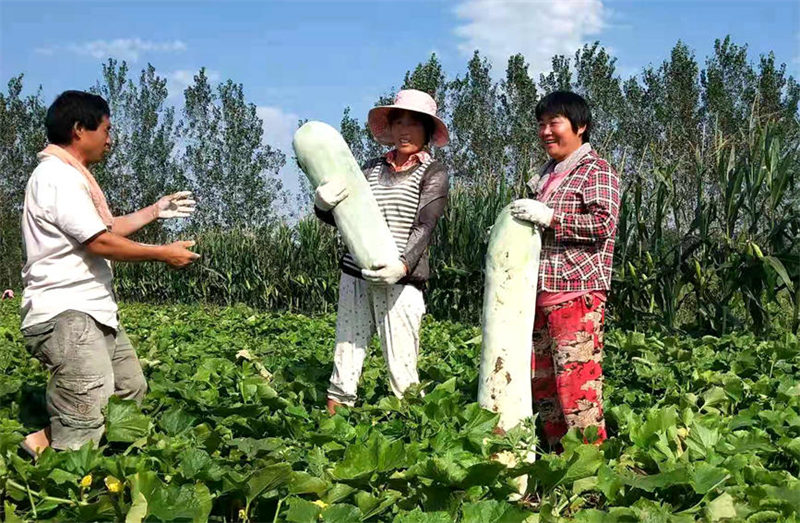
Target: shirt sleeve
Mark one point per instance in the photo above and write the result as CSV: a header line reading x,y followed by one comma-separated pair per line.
x,y
598,221
71,209
433,199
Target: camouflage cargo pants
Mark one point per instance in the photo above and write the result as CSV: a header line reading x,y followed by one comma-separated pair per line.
x,y
88,362
566,366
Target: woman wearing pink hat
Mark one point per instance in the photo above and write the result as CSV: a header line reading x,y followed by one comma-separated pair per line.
x,y
411,190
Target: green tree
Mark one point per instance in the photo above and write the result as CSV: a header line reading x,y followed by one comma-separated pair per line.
x,y
429,77
22,135
232,172
476,148
143,164
356,136
729,84
518,97
559,78
596,81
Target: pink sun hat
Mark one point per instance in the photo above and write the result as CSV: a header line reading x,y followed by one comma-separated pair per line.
x,y
410,100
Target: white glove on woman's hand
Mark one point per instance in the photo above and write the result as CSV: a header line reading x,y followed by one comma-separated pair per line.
x,y
532,211
178,205
330,194
388,274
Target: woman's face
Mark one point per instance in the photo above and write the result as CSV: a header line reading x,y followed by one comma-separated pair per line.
x,y
408,133
557,136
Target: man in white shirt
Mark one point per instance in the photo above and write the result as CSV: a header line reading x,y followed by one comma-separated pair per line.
x,y
69,313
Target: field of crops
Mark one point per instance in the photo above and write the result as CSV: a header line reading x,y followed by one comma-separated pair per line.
x,y
233,429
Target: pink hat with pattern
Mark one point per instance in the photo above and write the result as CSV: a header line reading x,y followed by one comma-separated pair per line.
x,y
410,100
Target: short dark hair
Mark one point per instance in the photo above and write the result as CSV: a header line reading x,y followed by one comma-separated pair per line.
x,y
571,106
71,107
427,121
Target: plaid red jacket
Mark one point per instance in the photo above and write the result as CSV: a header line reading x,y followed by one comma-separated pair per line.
x,y
578,248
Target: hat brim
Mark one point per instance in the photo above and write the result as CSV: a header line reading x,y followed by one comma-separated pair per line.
x,y
378,123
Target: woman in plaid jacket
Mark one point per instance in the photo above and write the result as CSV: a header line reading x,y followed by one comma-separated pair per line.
x,y
576,202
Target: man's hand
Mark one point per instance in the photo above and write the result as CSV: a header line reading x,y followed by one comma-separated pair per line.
x,y
330,194
178,255
178,205
532,211
388,274
114,247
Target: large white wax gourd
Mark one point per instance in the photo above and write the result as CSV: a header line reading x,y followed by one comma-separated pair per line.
x,y
323,155
509,298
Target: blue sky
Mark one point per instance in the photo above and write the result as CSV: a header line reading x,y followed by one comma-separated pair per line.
x,y
304,59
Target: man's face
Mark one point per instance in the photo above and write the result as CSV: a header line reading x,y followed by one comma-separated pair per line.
x,y
95,144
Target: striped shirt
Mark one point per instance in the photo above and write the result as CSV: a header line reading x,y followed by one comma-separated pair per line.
x,y
398,199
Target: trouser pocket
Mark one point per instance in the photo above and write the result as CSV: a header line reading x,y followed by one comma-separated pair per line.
x,y
79,401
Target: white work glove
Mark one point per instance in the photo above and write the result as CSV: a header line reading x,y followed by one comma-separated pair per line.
x,y
389,274
532,211
329,194
178,205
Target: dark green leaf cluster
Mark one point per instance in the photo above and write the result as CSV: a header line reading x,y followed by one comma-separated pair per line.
x,y
234,429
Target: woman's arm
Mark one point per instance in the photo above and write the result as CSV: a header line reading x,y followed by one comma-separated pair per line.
x,y
433,199
601,201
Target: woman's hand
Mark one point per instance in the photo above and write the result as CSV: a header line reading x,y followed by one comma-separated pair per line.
x,y
330,194
388,274
532,211
178,205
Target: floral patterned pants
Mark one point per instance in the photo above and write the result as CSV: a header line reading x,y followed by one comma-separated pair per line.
x,y
566,366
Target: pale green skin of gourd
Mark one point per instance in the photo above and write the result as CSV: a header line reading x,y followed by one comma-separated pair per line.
x,y
509,299
323,155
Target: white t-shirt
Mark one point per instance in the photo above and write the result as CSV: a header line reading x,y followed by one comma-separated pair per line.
x,y
60,274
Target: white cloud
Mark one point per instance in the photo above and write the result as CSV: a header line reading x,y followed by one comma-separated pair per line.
x,y
538,30
796,60
124,48
279,127
179,80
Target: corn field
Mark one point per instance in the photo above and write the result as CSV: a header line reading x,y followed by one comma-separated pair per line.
x,y
728,261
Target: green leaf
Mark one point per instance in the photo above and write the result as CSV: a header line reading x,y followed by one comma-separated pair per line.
x,y
170,501
582,462
371,506
302,511
176,420
707,477
702,440
609,483
341,514
305,483
653,482
492,511
778,267
61,477
721,508
124,421
337,493
138,509
267,479
377,454
789,495
253,447
418,516
10,516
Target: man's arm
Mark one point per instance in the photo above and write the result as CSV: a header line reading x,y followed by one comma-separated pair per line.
x,y
130,223
177,205
117,248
